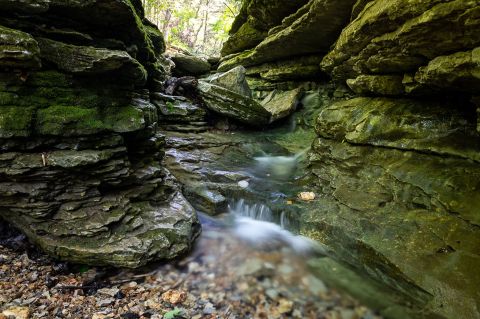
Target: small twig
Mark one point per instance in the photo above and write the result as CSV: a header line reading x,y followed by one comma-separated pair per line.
x,y
44,159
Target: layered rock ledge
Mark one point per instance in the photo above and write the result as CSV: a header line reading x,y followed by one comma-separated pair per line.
x,y
80,170
396,167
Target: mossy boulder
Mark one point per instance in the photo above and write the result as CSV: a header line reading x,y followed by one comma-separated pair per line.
x,y
234,80
281,104
232,104
190,65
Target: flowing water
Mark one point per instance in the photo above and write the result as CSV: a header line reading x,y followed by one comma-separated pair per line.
x,y
254,241
251,244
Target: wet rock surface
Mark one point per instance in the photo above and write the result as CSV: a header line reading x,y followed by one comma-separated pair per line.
x,y
395,169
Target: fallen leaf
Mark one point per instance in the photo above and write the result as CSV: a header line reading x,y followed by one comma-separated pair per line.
x,y
174,296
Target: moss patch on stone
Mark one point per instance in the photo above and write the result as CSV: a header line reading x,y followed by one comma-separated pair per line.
x,y
68,120
15,121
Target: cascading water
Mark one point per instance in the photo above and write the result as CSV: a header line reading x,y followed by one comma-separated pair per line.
x,y
256,223
254,211
280,167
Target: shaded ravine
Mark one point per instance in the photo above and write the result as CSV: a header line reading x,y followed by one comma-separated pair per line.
x,y
251,181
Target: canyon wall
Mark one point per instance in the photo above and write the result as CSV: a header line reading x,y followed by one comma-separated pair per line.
x,y
80,169
396,162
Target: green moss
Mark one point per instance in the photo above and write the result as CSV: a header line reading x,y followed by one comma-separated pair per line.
x,y
124,119
15,121
49,79
8,98
68,120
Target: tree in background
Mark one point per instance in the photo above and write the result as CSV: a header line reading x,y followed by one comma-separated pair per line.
x,y
197,26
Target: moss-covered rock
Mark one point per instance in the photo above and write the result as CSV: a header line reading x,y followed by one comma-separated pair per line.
x,y
190,65
281,104
383,85
18,49
457,72
312,32
397,38
90,60
292,69
257,17
401,217
16,121
234,80
402,124
79,166
232,104
75,121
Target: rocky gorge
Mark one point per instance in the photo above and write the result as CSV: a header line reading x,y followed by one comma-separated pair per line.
x,y
104,161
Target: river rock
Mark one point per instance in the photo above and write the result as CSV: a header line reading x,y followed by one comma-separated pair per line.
x,y
281,104
190,65
80,159
233,80
234,105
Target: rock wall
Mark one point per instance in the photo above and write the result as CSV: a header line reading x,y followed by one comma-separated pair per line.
x,y
397,167
80,169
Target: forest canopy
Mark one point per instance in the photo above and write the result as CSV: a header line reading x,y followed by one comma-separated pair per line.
x,y
198,26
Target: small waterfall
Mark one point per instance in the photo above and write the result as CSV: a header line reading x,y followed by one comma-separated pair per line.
x,y
254,211
279,166
257,225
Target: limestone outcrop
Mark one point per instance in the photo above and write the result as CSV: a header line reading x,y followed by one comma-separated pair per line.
x,y
80,170
397,166
229,94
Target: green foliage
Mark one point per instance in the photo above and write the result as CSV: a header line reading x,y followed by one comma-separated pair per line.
x,y
173,314
199,26
170,106
15,121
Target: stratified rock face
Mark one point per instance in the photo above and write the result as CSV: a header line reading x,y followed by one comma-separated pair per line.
x,y
397,168
283,41
400,183
80,169
256,18
424,41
